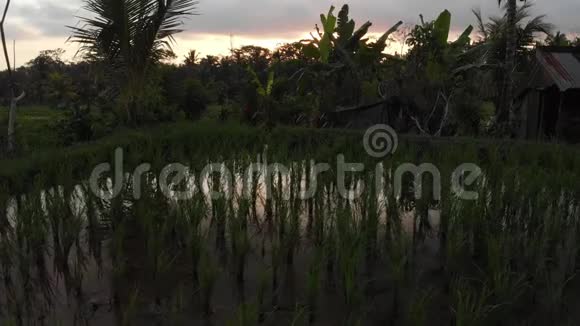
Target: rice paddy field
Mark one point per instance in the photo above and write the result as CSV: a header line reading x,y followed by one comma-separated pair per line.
x,y
34,125
269,255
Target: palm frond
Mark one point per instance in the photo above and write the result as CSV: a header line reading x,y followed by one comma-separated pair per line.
x,y
481,27
134,30
538,25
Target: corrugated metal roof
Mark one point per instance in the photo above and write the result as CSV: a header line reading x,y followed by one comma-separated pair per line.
x,y
562,67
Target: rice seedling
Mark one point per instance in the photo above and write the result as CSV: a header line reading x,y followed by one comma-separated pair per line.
x,y
417,314
561,269
4,223
246,315
513,249
328,243
506,285
66,226
470,306
300,313
263,279
313,287
191,215
398,256
254,187
293,237
349,254
18,284
370,213
268,176
96,230
208,274
128,315
275,262
118,275
219,215
240,244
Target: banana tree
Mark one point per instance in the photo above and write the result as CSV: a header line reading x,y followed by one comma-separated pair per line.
x,y
266,101
340,54
340,41
435,65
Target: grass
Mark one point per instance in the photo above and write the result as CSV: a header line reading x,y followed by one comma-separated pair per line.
x,y
34,126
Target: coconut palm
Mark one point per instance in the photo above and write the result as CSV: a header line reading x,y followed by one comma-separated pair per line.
x,y
495,33
129,37
558,39
510,58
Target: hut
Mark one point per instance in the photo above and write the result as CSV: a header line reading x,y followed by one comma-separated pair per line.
x,y
549,100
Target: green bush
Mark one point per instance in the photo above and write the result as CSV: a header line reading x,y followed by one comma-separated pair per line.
x,y
194,100
82,125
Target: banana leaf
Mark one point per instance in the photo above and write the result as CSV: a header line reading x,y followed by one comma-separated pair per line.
x,y
442,27
464,38
345,28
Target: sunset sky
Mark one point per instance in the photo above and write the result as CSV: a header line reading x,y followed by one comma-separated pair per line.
x,y
41,24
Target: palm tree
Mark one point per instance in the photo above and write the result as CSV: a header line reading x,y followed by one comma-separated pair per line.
x,y
506,41
129,37
191,59
493,34
510,59
558,39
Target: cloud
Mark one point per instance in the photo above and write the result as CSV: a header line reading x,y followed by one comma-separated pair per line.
x,y
269,17
43,21
283,18
20,32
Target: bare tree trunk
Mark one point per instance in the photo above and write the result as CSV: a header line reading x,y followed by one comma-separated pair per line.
x,y
14,100
10,140
12,123
510,62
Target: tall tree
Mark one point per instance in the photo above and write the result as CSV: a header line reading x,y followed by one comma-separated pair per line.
x,y
492,32
13,98
558,39
510,59
191,59
130,37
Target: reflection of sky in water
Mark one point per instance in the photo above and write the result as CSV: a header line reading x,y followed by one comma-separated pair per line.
x,y
239,189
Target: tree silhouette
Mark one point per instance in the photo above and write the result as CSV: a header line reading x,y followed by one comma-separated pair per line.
x,y
130,37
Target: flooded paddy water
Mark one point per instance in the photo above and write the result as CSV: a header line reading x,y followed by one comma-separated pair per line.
x,y
268,255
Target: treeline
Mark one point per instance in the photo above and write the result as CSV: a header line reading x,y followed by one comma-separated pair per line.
x,y
438,87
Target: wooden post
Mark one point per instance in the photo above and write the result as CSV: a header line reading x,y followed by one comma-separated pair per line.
x,y
539,116
560,120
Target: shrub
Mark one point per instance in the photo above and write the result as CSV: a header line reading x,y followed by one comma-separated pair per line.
x,y
81,125
194,100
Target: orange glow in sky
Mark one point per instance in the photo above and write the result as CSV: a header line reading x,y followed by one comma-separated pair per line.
x,y
204,44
